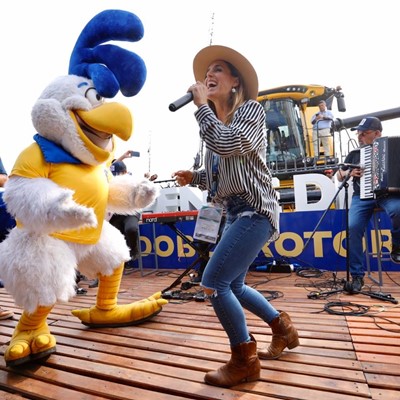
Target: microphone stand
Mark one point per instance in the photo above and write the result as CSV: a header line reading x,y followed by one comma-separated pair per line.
x,y
347,287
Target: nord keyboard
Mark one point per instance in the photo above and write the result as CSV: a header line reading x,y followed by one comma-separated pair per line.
x,y
169,217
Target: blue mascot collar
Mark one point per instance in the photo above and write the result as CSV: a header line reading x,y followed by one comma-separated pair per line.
x,y
53,153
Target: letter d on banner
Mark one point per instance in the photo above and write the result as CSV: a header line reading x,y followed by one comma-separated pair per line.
x,y
323,183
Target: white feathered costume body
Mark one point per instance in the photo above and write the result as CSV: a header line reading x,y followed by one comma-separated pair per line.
x,y
59,192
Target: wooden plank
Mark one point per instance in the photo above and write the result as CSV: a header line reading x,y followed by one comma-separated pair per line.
x,y
10,396
193,369
156,382
393,351
383,381
381,368
36,389
378,394
341,357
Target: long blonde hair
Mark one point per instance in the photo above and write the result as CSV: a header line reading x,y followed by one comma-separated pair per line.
x,y
236,98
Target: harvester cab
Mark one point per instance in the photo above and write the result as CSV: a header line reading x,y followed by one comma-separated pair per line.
x,y
288,112
290,150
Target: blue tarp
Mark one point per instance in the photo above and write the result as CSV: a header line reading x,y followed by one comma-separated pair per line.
x,y
325,250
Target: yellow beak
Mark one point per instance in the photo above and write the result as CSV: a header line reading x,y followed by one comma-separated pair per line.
x,y
111,118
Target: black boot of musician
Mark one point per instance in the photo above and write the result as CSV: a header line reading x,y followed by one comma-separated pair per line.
x,y
357,283
395,254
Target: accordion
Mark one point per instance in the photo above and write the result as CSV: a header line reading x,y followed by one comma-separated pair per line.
x,y
381,162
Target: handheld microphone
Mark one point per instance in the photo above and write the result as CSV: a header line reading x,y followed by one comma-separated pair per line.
x,y
177,104
345,167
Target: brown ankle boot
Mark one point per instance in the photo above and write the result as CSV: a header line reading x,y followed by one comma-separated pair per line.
x,y
284,334
244,366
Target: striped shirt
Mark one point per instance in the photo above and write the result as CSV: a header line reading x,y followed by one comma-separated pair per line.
x,y
242,169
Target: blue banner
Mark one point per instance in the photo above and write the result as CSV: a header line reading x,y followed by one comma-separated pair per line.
x,y
314,239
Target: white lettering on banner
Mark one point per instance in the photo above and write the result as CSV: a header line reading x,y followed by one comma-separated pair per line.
x,y
167,201
186,198
192,198
324,184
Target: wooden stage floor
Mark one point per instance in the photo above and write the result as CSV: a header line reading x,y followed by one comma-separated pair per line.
x,y
350,346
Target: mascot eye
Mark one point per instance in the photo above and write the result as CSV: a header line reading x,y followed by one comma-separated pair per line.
x,y
93,97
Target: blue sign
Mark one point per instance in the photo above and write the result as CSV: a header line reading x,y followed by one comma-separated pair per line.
x,y
314,239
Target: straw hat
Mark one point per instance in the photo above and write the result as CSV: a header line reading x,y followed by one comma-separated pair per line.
x,y
209,54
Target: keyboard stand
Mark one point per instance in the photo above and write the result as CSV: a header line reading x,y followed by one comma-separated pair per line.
x,y
202,250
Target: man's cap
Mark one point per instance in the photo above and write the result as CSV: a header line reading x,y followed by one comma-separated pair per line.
x,y
118,167
368,124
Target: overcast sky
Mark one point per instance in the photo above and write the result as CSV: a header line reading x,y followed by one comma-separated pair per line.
x,y
353,44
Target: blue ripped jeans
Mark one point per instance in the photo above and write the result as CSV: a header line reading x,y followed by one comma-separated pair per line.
x,y
245,233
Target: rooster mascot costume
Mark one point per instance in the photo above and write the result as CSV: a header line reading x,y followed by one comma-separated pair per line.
x,y
60,190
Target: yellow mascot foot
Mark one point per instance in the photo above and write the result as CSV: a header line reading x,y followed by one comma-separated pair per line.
x,y
154,296
29,345
121,315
